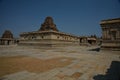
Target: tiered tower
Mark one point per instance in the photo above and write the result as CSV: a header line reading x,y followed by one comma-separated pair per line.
x,y
48,25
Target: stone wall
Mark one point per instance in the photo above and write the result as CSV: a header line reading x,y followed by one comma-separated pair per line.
x,y
48,38
111,34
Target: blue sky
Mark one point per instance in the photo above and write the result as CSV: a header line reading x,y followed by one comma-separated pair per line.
x,y
79,17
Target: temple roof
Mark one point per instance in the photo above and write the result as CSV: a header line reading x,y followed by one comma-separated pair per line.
x,y
48,25
115,20
42,32
7,34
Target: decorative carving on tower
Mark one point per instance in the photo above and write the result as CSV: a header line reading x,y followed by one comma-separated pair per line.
x,y
48,25
7,34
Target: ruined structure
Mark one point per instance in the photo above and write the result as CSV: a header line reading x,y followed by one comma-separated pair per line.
x,y
7,38
86,41
92,40
83,41
111,34
48,35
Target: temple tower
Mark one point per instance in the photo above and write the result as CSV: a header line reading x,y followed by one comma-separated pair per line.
x,y
48,25
7,34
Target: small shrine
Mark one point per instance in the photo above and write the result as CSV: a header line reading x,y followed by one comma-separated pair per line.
x,y
7,38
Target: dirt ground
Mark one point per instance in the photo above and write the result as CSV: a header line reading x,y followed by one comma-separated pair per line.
x,y
10,65
62,63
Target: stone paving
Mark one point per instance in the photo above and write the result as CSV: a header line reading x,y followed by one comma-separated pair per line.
x,y
87,62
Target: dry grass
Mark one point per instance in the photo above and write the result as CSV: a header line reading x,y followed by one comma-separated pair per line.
x,y
10,65
75,76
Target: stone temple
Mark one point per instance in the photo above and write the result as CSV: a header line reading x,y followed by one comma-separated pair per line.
x,y
111,34
48,35
7,38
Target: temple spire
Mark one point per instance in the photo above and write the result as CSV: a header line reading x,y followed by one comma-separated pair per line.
x,y
48,25
7,34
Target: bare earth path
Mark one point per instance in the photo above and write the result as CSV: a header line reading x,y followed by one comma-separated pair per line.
x,y
64,63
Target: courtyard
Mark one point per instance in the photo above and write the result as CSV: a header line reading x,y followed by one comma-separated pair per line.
x,y
60,63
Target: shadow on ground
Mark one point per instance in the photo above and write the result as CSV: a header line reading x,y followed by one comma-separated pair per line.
x,y
95,49
113,73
